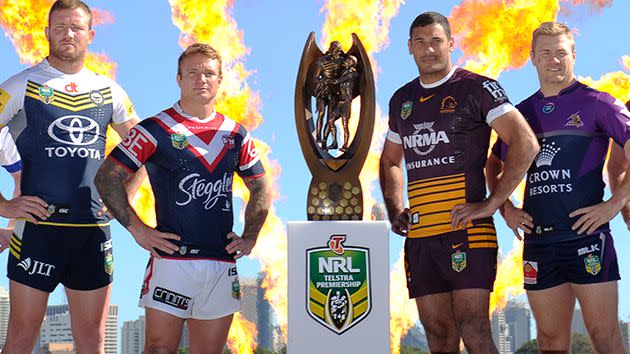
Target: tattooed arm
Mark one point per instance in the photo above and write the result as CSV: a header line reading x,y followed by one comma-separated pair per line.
x,y
110,181
255,214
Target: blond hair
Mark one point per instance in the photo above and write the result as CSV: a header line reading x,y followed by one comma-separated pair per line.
x,y
552,29
199,48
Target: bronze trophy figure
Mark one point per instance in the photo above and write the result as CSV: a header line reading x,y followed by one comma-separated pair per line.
x,y
333,79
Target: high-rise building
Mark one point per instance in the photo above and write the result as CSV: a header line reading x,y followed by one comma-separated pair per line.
x,y
501,332
257,310
4,314
625,334
111,330
518,321
577,323
133,336
56,328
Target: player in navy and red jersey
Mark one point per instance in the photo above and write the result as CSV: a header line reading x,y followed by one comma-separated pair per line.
x,y
440,123
191,153
58,113
568,251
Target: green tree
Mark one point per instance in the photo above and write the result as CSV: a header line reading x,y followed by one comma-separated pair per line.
x,y
410,350
530,347
182,350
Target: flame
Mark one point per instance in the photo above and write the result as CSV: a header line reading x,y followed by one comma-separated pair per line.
x,y
242,335
617,83
509,280
24,22
498,36
402,311
212,23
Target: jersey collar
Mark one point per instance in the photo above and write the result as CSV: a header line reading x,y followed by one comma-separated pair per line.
x,y
439,82
179,110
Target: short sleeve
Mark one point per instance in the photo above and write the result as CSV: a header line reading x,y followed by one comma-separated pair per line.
x,y
249,165
614,118
9,157
123,107
137,147
494,100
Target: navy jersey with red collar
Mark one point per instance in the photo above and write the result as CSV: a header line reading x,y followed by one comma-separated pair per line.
x,y
573,129
191,164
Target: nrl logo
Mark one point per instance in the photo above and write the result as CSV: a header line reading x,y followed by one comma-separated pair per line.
x,y
338,284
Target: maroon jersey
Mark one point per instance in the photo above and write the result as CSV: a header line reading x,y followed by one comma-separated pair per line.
x,y
444,130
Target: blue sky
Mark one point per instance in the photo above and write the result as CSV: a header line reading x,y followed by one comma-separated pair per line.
x,y
144,43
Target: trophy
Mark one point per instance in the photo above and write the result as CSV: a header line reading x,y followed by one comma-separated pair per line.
x,y
332,80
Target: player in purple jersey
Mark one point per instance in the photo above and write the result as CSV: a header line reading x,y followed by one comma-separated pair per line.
x,y
58,111
191,153
568,252
440,123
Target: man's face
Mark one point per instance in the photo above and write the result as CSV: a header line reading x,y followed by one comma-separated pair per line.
x,y
431,49
69,34
199,78
554,58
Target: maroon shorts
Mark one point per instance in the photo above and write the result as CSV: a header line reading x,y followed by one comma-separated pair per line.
x,y
448,262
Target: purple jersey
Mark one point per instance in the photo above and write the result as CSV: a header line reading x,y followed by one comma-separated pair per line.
x,y
444,131
573,130
191,163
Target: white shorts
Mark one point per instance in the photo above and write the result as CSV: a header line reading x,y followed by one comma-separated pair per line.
x,y
200,289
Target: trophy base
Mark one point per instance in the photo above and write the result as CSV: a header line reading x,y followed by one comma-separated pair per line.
x,y
334,200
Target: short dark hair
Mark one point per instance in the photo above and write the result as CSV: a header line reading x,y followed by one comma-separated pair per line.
x,y
200,48
429,18
71,5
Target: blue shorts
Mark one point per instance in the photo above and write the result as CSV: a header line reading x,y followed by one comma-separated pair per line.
x,y
587,260
42,256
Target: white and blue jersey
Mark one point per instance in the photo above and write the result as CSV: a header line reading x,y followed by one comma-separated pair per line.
x,y
59,123
573,129
9,157
191,164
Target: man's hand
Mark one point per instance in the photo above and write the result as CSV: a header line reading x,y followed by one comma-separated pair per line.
x,y
25,207
517,218
402,223
150,239
240,246
5,238
594,216
104,211
462,214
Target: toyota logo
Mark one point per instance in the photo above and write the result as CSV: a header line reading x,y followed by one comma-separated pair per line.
x,y
74,130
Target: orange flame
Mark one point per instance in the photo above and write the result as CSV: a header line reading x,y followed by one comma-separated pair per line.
x,y
212,23
402,311
242,336
498,36
509,280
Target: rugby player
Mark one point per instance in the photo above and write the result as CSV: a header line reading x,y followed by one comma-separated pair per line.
x,y
59,113
191,153
10,161
568,252
440,123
